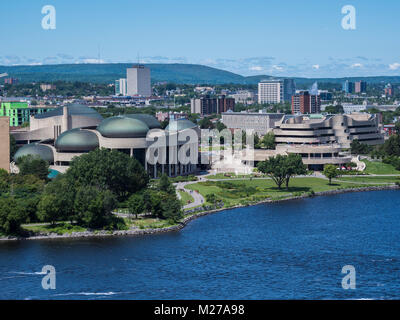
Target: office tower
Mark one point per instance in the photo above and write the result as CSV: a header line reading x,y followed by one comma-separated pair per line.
x,y
348,86
360,87
289,89
270,91
138,81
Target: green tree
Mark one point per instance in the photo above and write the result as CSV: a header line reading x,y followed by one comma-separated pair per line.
x,y
391,147
334,109
293,166
94,207
211,198
33,165
331,172
360,148
268,141
136,204
49,208
4,181
282,168
165,185
274,168
165,206
12,215
108,170
61,189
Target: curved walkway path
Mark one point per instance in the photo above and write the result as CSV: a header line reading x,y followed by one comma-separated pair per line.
x,y
198,198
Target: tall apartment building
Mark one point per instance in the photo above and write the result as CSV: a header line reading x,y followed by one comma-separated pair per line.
x,y
138,81
289,89
121,87
360,87
206,105
5,143
271,91
225,104
304,102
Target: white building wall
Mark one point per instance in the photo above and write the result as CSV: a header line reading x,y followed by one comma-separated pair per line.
x,y
138,81
270,92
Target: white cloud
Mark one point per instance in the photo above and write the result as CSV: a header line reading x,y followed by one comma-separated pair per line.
x,y
277,68
394,66
256,68
315,66
92,61
357,65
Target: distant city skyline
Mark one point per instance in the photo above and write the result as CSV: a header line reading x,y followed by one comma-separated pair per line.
x,y
257,37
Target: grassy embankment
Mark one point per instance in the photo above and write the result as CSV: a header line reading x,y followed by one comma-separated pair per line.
x,y
247,191
186,198
377,167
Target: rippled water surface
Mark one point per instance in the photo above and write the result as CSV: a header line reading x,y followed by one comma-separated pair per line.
x,y
289,250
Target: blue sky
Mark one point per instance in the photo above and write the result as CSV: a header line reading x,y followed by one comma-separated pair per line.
x,y
283,38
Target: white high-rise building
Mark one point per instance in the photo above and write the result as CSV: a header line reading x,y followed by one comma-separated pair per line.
x,y
120,87
270,91
138,81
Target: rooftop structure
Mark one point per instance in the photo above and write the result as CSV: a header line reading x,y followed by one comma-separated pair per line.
x,y
49,125
261,123
128,133
338,129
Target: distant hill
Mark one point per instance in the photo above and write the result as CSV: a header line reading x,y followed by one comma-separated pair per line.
x,y
178,73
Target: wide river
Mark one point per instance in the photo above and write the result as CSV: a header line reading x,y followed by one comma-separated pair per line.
x,y
288,250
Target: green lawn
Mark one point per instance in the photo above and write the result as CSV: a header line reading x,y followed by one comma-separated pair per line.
x,y
371,179
59,228
186,198
239,192
147,223
231,176
374,167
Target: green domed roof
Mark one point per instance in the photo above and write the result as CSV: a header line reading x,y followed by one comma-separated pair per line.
x,y
43,151
123,127
180,124
73,110
151,121
77,140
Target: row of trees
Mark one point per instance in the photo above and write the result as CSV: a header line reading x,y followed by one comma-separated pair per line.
x,y
95,184
389,152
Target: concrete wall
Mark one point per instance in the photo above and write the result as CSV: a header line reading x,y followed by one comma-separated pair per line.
x,y
5,143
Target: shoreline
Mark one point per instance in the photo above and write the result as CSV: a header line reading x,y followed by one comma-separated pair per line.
x,y
182,224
